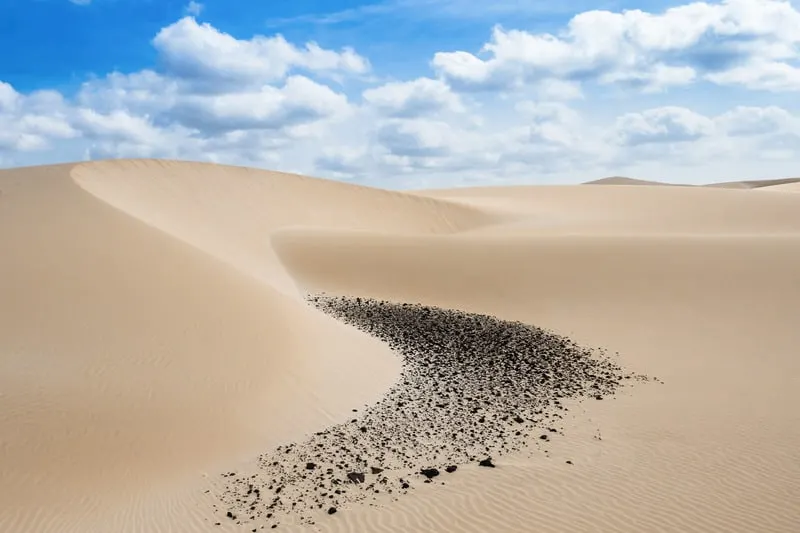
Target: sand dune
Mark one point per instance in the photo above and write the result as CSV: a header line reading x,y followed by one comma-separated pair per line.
x,y
793,186
153,335
622,180
753,184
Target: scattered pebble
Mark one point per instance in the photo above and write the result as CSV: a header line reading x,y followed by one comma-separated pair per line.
x,y
471,386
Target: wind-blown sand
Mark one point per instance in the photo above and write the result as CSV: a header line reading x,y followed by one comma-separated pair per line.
x,y
155,337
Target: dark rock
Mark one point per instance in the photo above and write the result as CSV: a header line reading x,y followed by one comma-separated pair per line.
x,y
356,477
450,469
332,510
495,380
429,472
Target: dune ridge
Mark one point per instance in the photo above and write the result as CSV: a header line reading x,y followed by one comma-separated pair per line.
x,y
154,334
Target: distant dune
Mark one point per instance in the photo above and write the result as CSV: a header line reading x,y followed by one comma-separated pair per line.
x,y
157,347
620,180
747,184
754,184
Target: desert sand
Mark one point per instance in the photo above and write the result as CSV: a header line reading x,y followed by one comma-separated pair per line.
x,y
155,336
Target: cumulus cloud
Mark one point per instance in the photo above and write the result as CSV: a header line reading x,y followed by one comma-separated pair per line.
x,y
413,98
346,161
662,125
219,61
299,100
749,120
32,122
748,42
416,138
264,101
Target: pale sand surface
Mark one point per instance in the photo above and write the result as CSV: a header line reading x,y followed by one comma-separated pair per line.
x,y
153,335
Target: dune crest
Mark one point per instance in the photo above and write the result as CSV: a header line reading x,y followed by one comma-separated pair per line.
x,y
229,212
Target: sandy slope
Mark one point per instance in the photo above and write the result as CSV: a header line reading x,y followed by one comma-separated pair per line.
x,y
754,184
151,331
783,187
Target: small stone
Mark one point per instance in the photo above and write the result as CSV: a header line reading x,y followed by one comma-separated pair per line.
x,y
356,477
332,510
376,470
450,469
569,462
310,466
487,463
429,472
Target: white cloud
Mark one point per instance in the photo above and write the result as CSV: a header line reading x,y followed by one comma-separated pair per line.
x,y
748,120
299,100
559,90
30,122
116,126
766,75
749,42
413,98
194,8
662,125
266,102
9,98
219,61
416,138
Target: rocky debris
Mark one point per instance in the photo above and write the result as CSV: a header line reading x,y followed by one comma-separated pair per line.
x,y
471,386
486,462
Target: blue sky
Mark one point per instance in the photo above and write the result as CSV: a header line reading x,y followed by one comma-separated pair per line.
x,y
409,93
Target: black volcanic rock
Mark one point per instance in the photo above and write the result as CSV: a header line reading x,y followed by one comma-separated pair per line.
x,y
429,472
471,386
356,477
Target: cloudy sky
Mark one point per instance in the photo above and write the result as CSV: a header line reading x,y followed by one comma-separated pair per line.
x,y
409,93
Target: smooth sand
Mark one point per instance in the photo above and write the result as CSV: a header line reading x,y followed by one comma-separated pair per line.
x,y
153,334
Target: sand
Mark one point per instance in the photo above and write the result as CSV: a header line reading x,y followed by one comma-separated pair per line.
x,y
155,335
